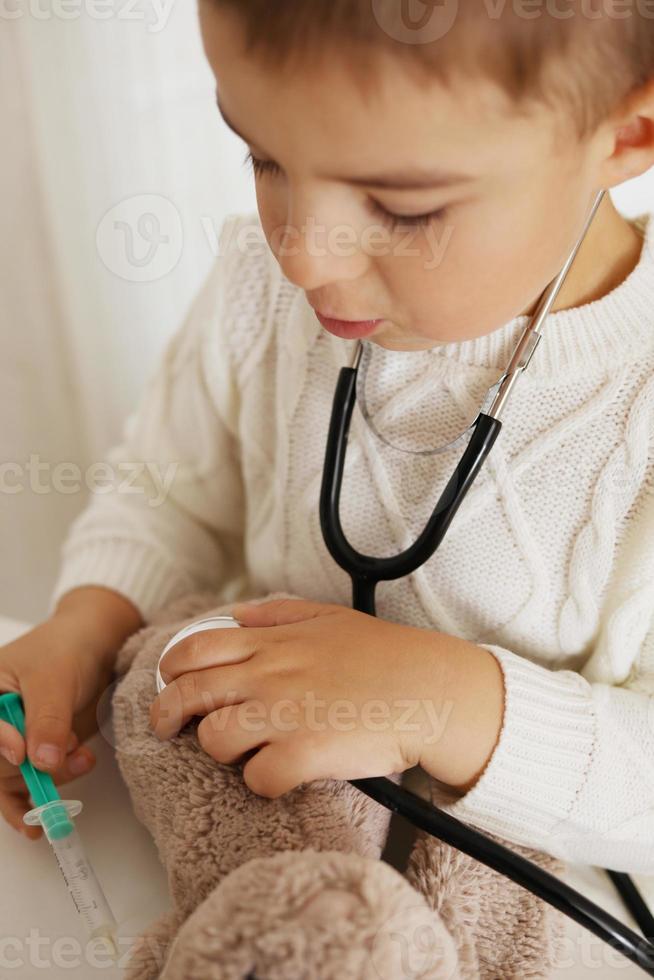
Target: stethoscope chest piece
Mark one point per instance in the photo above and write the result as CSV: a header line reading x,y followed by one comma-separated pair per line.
x,y
210,623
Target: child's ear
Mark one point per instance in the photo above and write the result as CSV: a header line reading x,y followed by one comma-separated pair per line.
x,y
629,137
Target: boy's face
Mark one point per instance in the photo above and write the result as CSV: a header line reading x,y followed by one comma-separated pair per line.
x,y
508,227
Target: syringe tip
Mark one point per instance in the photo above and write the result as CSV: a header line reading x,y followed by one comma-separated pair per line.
x,y
108,937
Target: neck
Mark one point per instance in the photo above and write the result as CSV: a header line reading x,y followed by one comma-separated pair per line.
x,y
608,253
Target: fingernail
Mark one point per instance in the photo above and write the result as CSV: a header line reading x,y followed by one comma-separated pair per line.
x,y
9,755
79,763
48,755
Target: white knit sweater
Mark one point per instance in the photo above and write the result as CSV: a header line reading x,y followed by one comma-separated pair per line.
x,y
549,563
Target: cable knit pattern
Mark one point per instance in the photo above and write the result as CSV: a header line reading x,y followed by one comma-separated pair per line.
x,y
548,564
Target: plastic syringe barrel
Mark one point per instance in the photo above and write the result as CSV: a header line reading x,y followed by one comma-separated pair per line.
x,y
83,885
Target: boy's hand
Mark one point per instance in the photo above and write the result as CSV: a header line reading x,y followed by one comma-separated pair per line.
x,y
60,679
323,691
61,668
14,796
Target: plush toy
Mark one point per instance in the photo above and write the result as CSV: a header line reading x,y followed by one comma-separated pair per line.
x,y
293,888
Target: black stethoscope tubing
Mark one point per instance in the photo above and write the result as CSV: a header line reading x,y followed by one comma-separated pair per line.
x,y
365,572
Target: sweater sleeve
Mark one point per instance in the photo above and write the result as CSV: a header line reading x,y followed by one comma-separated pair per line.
x,y
572,773
171,518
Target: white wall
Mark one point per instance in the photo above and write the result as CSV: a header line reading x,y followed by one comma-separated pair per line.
x,y
105,116
101,114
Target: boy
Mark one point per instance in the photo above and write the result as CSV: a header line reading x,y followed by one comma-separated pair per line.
x,y
534,622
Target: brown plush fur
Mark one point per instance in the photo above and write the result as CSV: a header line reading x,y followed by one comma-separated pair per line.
x,y
290,888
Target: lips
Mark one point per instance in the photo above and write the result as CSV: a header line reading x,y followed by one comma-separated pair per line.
x,y
348,329
343,319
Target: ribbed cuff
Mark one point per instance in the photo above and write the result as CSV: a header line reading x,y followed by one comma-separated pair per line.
x,y
542,756
139,572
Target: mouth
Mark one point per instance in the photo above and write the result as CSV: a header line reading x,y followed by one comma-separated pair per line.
x,y
348,329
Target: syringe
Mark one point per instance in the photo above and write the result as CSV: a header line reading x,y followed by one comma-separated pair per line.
x,y
55,816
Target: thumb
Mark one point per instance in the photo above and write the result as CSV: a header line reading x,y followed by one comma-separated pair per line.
x,y
278,612
48,719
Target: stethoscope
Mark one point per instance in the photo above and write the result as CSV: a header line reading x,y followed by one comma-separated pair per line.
x,y
366,572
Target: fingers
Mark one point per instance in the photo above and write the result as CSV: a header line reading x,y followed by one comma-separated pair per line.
x,y
9,769
77,763
229,733
286,773
12,745
13,806
207,648
48,707
281,765
15,800
198,693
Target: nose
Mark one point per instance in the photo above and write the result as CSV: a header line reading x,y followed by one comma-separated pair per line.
x,y
313,252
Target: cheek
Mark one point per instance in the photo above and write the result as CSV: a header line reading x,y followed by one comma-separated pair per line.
x,y
444,281
272,213
468,275
464,276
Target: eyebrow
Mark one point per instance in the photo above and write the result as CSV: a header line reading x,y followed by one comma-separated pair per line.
x,y
408,179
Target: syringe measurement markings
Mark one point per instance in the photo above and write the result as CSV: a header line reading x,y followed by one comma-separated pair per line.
x,y
82,868
83,901
83,904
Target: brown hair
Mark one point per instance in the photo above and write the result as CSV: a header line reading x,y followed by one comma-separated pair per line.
x,y
586,63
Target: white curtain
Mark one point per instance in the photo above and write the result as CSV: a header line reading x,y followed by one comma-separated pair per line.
x,y
116,173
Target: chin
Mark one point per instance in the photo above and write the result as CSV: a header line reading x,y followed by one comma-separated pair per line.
x,y
407,343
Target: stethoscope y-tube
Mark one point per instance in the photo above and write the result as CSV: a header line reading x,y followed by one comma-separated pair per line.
x,y
366,571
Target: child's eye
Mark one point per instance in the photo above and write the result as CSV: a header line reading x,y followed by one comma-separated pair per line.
x,y
260,166
389,218
394,221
